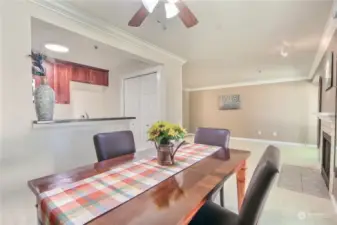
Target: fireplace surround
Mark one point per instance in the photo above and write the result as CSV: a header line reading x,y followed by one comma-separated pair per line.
x,y
326,154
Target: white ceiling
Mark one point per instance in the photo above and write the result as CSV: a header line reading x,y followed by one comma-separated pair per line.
x,y
235,41
81,49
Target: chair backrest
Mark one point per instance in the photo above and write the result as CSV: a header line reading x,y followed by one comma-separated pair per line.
x,y
259,186
114,144
212,136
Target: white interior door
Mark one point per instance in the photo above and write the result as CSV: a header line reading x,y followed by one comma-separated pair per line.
x,y
141,101
132,89
149,106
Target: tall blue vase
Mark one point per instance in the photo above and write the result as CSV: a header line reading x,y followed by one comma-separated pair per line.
x,y
44,97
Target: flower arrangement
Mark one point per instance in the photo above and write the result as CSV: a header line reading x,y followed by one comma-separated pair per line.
x,y
163,133
37,63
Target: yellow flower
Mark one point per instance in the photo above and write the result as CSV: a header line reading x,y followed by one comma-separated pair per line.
x,y
162,131
172,132
154,134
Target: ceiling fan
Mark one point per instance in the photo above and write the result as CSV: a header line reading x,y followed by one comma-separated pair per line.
x,y
172,8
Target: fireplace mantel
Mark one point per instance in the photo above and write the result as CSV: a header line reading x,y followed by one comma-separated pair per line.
x,y
327,116
328,122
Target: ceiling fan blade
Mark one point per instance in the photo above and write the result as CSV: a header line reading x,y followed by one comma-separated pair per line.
x,y
186,15
139,17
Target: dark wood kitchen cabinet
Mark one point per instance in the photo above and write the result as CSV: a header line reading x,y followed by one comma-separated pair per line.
x,y
62,77
59,74
80,74
90,75
99,77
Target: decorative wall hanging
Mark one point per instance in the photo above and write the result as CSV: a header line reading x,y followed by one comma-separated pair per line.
x,y
229,102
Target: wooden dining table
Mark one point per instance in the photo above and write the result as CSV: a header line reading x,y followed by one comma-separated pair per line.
x,y
173,201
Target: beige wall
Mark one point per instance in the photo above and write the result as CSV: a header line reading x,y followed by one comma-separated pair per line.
x,y
284,108
186,109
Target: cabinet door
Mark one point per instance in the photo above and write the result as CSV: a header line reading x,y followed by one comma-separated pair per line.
x,y
149,106
99,77
80,74
106,78
62,75
132,107
95,76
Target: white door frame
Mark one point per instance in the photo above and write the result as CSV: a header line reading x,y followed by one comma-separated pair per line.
x,y
161,89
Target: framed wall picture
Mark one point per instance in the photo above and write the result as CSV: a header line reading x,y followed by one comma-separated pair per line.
x,y
229,102
329,71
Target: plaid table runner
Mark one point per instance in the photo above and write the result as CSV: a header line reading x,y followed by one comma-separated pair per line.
x,y
85,200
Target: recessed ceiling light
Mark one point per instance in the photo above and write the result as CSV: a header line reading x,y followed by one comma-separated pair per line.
x,y
56,48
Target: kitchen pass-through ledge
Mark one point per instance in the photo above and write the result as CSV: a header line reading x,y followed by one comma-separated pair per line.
x,y
36,123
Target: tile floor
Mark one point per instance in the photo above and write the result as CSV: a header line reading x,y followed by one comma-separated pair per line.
x,y
303,180
284,206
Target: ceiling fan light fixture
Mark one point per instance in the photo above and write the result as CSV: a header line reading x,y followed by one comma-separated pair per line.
x,y
150,5
171,9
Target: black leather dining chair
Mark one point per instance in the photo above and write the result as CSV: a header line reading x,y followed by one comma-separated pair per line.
x,y
114,144
216,137
256,195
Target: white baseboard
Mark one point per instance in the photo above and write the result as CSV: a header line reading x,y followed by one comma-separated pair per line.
x,y
274,142
267,141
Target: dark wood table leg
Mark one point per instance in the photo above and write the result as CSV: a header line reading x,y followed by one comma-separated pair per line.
x,y
241,183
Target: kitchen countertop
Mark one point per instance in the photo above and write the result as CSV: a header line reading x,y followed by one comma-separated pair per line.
x,y
82,120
